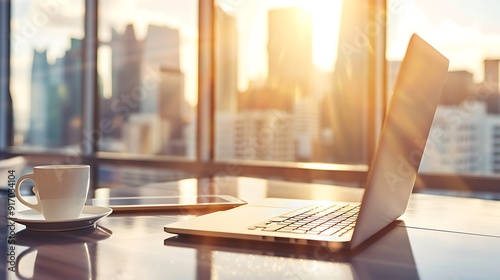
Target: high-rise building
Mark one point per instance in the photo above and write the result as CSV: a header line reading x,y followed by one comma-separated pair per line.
x,y
126,55
147,81
226,56
73,75
174,110
306,128
255,135
49,103
144,134
290,51
458,87
39,119
491,74
264,135
346,107
457,139
161,49
465,134
491,152
225,136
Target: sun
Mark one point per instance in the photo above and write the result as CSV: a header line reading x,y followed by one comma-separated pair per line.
x,y
326,26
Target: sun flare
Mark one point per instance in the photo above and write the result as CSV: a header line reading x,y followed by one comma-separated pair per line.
x,y
325,16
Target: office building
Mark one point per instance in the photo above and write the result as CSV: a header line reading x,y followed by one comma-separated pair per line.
x,y
126,57
290,51
491,74
347,103
456,139
264,135
226,56
160,50
225,136
73,75
55,116
306,124
39,119
175,112
255,135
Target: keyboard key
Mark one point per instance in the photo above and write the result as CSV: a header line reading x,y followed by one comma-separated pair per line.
x,y
278,219
330,232
286,229
273,227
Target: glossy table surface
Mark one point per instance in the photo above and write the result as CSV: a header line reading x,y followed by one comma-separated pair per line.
x,y
438,238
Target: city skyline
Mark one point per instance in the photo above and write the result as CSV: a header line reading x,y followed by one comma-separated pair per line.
x,y
145,71
281,79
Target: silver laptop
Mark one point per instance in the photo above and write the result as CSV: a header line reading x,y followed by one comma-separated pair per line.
x,y
388,185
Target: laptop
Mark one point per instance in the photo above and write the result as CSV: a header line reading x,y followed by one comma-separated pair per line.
x,y
388,186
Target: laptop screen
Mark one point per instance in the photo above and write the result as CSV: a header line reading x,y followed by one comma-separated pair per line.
x,y
394,166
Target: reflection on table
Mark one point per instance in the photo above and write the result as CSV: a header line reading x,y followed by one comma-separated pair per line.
x,y
133,245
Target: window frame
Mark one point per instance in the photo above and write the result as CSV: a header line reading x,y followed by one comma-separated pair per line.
x,y
205,164
4,71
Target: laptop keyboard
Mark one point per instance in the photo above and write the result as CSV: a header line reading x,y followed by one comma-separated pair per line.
x,y
328,219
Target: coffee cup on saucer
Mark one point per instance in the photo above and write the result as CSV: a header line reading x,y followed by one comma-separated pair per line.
x,y
60,190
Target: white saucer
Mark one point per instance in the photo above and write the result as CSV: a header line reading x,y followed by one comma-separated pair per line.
x,y
35,221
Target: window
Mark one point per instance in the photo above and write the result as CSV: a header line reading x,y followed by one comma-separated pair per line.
x,y
285,88
46,73
291,89
147,65
465,33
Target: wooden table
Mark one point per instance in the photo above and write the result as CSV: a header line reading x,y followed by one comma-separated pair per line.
x,y
439,238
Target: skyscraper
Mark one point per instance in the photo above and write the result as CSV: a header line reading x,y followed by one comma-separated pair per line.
x,y
125,64
126,55
49,102
73,74
174,110
290,51
491,73
226,56
37,134
161,49
346,106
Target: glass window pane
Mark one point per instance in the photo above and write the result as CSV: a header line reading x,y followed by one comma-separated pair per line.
x,y
290,81
465,137
46,73
147,65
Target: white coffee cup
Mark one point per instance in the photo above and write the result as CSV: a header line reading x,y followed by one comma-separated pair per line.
x,y
61,190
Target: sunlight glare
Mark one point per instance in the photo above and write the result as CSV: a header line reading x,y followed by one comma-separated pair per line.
x,y
326,25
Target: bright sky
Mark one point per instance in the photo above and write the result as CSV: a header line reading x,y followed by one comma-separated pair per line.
x,y
253,33
466,31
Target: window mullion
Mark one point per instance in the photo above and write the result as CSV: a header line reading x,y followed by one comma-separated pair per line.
x,y
90,94
205,116
5,104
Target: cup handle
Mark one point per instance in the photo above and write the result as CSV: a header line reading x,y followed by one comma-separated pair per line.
x,y
37,206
